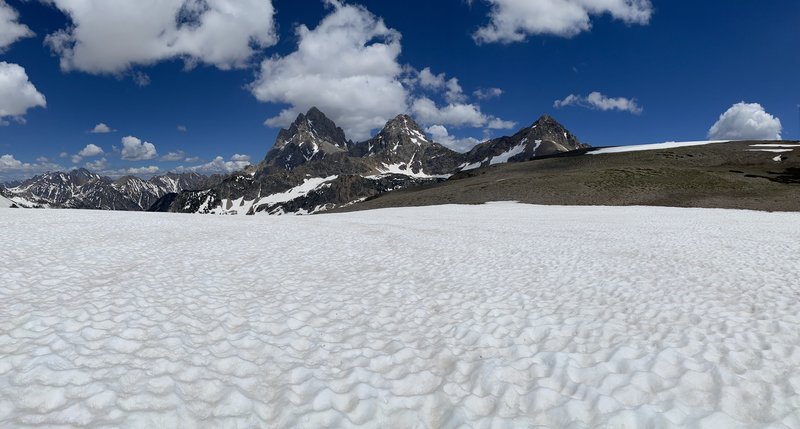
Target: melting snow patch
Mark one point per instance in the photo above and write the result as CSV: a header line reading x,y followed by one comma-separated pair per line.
x,y
207,321
405,170
778,145
302,190
770,150
503,158
5,202
655,146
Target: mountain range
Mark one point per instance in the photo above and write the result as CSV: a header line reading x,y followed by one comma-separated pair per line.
x,y
312,167
82,189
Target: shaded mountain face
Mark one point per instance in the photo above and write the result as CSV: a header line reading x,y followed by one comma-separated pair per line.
x,y
545,137
82,189
402,145
311,137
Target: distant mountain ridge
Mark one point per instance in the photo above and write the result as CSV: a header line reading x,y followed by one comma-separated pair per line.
x,y
312,167
82,189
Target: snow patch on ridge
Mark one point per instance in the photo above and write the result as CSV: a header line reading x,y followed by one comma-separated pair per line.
x,y
404,169
514,151
653,146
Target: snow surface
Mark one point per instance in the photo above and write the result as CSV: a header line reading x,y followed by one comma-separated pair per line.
x,y
514,151
502,315
770,150
775,145
5,202
404,169
655,146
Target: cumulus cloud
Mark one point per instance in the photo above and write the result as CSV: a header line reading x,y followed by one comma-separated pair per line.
x,y
110,37
515,20
598,101
348,67
134,149
13,169
746,121
89,151
488,93
427,79
457,114
97,166
182,128
143,171
10,28
174,156
17,93
101,128
441,135
218,165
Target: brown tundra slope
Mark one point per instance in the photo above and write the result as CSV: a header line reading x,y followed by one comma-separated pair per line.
x,y
737,175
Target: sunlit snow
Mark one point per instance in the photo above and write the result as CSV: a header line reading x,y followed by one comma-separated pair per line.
x,y
502,315
654,146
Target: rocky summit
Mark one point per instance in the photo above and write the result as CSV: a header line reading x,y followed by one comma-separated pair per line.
x,y
313,167
544,137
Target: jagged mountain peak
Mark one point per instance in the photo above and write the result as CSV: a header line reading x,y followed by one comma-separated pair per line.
x,y
399,132
311,136
313,125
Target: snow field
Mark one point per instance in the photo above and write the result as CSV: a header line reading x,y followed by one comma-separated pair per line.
x,y
502,315
652,146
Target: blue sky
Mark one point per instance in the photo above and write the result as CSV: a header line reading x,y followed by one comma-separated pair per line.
x,y
660,70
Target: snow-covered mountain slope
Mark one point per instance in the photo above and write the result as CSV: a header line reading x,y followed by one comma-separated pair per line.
x,y
418,317
5,202
82,189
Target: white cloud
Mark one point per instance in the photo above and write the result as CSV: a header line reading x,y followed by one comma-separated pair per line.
x,y
17,93
347,66
137,171
598,101
456,114
488,93
174,156
91,150
110,37
133,149
441,135
427,79
10,28
182,128
218,165
101,128
98,166
454,93
515,20
13,169
746,121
